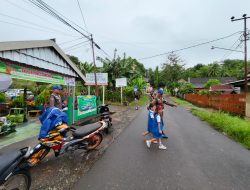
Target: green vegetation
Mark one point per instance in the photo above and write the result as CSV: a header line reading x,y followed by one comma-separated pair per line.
x,y
186,88
211,82
180,102
144,99
18,102
2,97
234,127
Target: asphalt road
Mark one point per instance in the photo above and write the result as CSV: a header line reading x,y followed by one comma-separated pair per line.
x,y
197,158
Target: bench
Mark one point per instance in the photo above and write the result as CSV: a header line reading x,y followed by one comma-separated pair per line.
x,y
34,113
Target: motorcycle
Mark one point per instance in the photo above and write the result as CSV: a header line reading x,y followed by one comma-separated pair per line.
x,y
105,116
87,137
14,170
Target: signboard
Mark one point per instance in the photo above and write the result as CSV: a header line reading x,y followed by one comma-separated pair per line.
x,y
121,82
86,104
19,72
68,81
102,79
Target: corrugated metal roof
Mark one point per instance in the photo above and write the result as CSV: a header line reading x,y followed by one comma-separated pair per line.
x,y
45,54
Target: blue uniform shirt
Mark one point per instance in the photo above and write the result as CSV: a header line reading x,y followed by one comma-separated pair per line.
x,y
155,129
150,120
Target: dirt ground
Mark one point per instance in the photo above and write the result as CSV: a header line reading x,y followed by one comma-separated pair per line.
x,y
62,172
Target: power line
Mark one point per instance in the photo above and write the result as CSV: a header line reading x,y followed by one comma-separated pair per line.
x,y
26,26
49,10
66,42
189,47
34,24
82,15
27,10
81,43
229,53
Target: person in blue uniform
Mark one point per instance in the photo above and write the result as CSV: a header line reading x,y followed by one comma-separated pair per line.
x,y
151,108
157,130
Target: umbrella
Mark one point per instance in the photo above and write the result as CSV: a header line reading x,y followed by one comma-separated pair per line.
x,y
5,82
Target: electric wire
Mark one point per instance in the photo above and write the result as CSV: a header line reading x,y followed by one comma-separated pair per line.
x,y
50,11
229,53
76,45
189,47
27,10
34,24
30,27
66,42
82,15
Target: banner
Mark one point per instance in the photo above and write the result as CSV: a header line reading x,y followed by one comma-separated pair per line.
x,y
102,79
86,104
24,73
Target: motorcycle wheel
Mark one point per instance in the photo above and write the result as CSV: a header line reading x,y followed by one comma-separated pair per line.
x,y
94,142
38,155
20,180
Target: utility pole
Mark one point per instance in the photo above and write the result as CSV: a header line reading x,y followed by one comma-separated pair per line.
x,y
244,17
93,53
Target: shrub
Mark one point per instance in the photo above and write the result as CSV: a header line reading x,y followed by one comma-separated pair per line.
x,y
2,97
18,102
211,82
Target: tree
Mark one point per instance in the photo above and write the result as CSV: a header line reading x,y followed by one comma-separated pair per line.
x,y
186,88
214,70
172,71
211,82
122,67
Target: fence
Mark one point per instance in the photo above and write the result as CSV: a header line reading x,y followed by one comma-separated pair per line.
x,y
232,103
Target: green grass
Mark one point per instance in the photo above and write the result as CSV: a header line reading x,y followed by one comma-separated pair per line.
x,y
180,102
233,126
144,99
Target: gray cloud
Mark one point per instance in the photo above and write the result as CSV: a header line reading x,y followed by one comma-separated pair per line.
x,y
138,27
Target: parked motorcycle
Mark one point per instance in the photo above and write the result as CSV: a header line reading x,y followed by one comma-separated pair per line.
x,y
105,116
14,170
87,137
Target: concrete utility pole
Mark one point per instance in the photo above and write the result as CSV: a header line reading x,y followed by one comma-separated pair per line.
x,y
244,17
93,53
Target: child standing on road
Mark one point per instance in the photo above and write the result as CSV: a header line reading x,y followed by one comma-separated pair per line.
x,y
157,130
151,108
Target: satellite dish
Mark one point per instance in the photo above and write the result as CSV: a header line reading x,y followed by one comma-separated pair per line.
x,y
5,82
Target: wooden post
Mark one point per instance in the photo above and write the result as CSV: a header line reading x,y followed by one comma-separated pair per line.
x,y
88,90
103,94
121,95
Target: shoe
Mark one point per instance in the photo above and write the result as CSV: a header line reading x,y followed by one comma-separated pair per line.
x,y
162,147
165,137
148,143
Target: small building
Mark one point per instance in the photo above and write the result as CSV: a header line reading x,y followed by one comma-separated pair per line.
x,y
223,88
199,83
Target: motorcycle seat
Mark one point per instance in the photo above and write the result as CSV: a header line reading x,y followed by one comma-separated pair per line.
x,y
86,130
7,159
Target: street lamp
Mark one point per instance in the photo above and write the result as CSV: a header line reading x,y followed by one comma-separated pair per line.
x,y
214,47
244,17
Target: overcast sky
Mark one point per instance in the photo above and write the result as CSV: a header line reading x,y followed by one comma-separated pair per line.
x,y
140,28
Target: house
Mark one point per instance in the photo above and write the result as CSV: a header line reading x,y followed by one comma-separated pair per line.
x,y
199,83
223,88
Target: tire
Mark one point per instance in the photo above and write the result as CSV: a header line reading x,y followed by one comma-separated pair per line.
x,y
94,141
38,155
20,180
